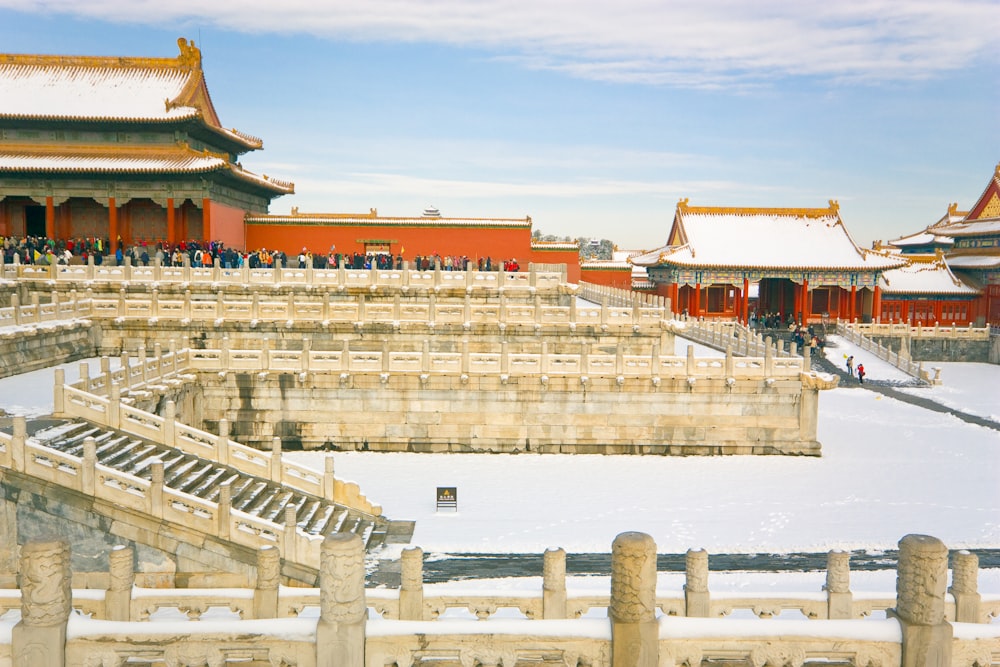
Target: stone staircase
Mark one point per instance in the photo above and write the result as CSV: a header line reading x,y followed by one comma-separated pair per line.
x,y
204,479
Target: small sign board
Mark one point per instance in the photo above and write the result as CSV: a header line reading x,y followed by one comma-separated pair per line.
x,y
447,497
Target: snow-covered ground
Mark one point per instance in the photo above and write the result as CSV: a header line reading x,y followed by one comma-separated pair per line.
x,y
888,468
970,388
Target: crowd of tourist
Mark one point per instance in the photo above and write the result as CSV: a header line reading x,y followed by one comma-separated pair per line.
x,y
41,250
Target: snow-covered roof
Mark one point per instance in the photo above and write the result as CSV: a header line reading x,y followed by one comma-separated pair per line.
x,y
923,238
621,260
120,162
978,227
178,159
974,261
562,246
605,265
920,277
806,238
87,88
374,220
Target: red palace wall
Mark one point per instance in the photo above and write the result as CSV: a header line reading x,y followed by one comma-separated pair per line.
x,y
473,242
225,224
621,279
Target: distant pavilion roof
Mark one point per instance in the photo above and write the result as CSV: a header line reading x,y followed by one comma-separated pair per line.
x,y
763,238
107,89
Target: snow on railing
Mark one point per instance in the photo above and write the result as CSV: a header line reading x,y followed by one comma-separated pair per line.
x,y
896,330
359,626
107,408
36,313
405,279
900,360
148,496
424,362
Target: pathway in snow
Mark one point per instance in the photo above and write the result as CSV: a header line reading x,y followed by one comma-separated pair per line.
x,y
895,384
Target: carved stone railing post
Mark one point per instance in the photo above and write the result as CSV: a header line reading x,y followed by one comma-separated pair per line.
x,y
265,592
156,488
114,405
224,511
39,638
85,376
697,599
118,597
634,630
88,468
170,424
276,460
920,602
18,439
126,370
839,601
965,587
222,443
59,393
329,481
291,532
340,633
411,592
554,584
106,372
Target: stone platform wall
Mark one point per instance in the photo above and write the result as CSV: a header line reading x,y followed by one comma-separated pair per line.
x,y
45,345
526,413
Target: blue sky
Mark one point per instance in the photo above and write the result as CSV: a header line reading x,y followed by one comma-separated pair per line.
x,y
593,118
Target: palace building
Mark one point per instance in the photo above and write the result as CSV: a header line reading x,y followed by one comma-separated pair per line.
x,y
132,149
956,272
128,148
801,263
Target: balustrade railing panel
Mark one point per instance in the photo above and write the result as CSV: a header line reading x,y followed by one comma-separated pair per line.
x,y
121,488
142,424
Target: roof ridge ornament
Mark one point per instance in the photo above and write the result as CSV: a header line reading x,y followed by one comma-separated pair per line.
x,y
190,55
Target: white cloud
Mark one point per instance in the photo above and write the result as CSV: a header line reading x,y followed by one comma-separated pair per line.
x,y
376,184
687,43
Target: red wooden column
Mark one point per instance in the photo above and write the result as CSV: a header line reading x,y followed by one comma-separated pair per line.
x,y
854,300
206,219
171,222
806,306
112,225
50,218
797,306
746,301
696,311
675,297
877,304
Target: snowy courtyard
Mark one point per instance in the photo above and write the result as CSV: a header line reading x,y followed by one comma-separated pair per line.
x,y
888,468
